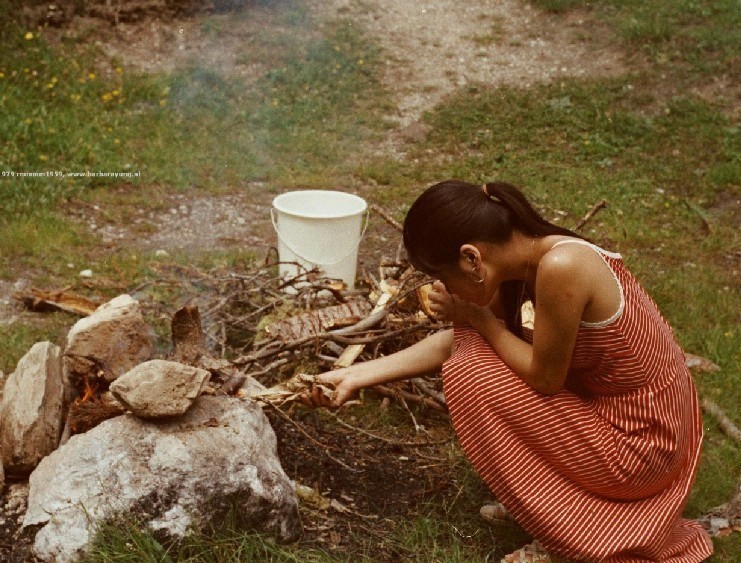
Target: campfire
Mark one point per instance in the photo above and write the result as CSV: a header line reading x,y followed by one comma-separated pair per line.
x,y
245,341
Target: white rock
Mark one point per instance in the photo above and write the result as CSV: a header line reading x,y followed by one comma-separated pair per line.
x,y
86,274
159,388
182,475
31,414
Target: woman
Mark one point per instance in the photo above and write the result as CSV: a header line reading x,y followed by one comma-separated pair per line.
x,y
587,428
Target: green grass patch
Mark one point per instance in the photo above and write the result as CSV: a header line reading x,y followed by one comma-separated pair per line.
x,y
18,338
65,116
43,243
126,540
686,38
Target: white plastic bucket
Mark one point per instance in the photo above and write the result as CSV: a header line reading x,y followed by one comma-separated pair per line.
x,y
319,228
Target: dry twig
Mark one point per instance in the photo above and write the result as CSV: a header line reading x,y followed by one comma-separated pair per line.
x,y
724,422
591,213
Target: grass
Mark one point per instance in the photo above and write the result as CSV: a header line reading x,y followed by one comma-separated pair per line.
x,y
66,112
656,143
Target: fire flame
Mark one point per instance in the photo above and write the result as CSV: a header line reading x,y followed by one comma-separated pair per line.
x,y
90,390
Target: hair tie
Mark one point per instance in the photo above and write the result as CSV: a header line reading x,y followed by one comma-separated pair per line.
x,y
490,196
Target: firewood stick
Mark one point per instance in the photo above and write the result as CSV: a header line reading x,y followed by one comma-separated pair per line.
x,y
352,352
422,385
236,381
387,217
591,213
387,392
725,423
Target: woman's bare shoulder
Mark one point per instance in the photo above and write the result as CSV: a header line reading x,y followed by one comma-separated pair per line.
x,y
575,264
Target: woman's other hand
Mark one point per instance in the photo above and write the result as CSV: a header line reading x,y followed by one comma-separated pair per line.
x,y
451,308
442,303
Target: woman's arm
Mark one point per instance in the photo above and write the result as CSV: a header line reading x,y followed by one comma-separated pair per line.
x,y
425,356
563,289
561,300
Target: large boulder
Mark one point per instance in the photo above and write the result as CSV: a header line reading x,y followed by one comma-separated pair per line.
x,y
109,342
184,474
159,388
32,410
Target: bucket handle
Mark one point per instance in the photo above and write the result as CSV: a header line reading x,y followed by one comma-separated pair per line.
x,y
304,258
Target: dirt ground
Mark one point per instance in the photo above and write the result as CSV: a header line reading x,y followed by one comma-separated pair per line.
x,y
430,48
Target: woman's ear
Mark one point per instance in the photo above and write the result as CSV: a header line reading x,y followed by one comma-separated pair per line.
x,y
469,257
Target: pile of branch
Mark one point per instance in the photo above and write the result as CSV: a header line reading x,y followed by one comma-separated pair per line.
x,y
276,330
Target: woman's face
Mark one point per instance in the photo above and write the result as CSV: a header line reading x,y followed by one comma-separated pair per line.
x,y
464,285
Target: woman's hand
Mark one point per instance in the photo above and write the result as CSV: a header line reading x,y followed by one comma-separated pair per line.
x,y
423,357
340,381
451,308
442,303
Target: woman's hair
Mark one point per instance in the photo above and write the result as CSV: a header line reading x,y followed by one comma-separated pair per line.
x,y
453,213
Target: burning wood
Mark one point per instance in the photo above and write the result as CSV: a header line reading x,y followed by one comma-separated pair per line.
x,y
88,411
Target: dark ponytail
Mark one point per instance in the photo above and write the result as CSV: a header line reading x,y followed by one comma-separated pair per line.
x,y
453,213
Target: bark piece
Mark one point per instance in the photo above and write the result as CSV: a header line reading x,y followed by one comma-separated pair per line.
x,y
188,340
63,300
288,391
321,320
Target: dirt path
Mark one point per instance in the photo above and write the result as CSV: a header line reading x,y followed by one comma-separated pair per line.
x,y
430,47
433,47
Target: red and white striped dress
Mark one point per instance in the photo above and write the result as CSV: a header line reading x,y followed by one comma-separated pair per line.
x,y
602,469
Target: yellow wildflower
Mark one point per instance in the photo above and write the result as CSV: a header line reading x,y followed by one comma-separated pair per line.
x,y
2,75
119,70
163,103
43,157
115,93
91,76
107,97
28,36
28,121
361,62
